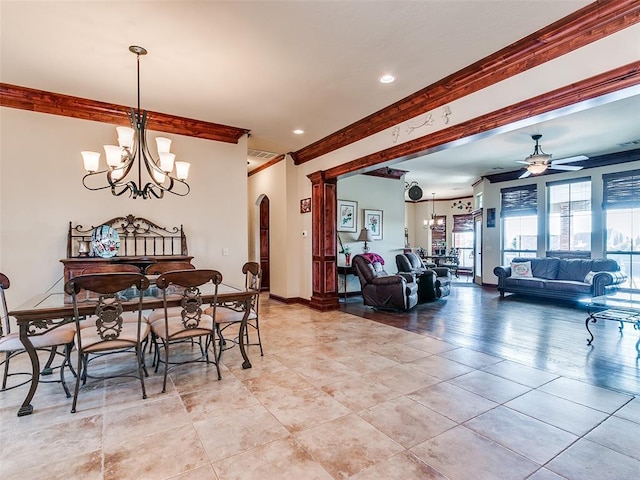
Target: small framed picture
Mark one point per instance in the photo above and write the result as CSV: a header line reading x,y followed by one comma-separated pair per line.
x,y
373,222
491,217
305,205
347,216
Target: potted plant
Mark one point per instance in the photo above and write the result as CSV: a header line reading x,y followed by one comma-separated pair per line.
x,y
346,249
347,254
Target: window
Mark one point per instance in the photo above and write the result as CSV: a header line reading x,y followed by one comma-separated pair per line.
x,y
519,213
621,203
463,239
569,218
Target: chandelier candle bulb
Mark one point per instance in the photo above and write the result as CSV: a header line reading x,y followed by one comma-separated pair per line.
x,y
166,161
113,154
125,137
159,176
163,144
117,173
182,170
91,160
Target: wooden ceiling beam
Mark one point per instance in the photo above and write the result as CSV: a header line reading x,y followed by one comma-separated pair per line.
x,y
589,24
609,82
24,98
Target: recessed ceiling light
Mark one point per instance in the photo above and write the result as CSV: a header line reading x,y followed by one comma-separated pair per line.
x,y
387,78
298,131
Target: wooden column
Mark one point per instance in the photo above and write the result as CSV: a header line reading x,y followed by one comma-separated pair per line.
x,y
323,233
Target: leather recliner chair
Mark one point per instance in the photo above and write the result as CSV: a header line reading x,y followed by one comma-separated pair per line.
x,y
433,283
383,290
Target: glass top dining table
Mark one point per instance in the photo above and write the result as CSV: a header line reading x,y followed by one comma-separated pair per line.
x,y
52,309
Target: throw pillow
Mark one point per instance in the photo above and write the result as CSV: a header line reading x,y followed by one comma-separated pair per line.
x,y
521,270
588,278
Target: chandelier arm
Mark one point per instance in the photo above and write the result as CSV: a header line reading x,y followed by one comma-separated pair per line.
x,y
169,188
91,174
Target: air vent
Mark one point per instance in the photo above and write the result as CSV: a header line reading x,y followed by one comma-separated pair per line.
x,y
261,154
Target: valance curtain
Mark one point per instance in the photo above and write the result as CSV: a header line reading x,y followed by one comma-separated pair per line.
x,y
519,201
463,223
621,190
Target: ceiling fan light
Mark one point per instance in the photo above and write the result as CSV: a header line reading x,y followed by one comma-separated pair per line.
x,y
537,168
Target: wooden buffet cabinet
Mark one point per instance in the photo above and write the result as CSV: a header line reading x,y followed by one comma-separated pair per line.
x,y
142,243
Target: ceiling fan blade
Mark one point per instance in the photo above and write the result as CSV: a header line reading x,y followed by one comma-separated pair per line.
x,y
577,158
525,174
569,168
523,162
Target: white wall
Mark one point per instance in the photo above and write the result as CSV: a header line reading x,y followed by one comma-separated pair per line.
x,y
375,193
272,182
41,191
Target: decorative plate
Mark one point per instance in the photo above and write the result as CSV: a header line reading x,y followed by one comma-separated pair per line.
x,y
105,241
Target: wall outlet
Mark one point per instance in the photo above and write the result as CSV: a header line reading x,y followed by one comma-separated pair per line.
x,y
225,251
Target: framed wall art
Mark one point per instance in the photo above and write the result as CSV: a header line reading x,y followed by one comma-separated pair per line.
x,y
347,216
491,217
305,205
373,223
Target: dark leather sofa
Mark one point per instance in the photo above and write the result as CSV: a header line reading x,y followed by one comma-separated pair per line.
x,y
566,279
433,282
381,289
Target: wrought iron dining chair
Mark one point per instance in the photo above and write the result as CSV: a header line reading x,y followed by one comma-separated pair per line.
x,y
49,341
191,321
158,269
100,326
128,317
228,315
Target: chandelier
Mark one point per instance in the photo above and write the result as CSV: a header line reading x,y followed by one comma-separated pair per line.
x,y
433,222
132,147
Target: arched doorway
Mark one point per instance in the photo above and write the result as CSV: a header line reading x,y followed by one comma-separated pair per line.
x,y
264,241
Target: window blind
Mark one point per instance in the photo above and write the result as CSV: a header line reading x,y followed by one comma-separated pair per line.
x,y
621,190
463,223
519,201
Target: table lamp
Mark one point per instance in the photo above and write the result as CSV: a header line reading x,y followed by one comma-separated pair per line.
x,y
365,236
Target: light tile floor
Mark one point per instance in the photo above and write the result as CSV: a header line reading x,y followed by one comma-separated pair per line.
x,y
334,397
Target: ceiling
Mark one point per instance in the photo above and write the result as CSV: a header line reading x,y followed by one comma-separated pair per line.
x,y
275,66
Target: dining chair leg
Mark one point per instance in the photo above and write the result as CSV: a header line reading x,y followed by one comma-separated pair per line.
x,y
215,355
77,387
7,357
47,370
166,365
259,339
139,355
66,362
85,367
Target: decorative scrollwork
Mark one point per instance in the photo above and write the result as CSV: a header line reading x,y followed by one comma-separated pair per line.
x,y
140,236
191,308
427,121
109,313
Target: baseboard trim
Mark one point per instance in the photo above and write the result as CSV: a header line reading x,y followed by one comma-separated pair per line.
x,y
278,298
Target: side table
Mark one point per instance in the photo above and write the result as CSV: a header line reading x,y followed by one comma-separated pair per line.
x,y
345,270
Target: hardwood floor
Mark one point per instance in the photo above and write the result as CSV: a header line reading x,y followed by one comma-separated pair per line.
x,y
545,334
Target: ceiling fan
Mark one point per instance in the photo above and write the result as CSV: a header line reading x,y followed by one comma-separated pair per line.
x,y
539,161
